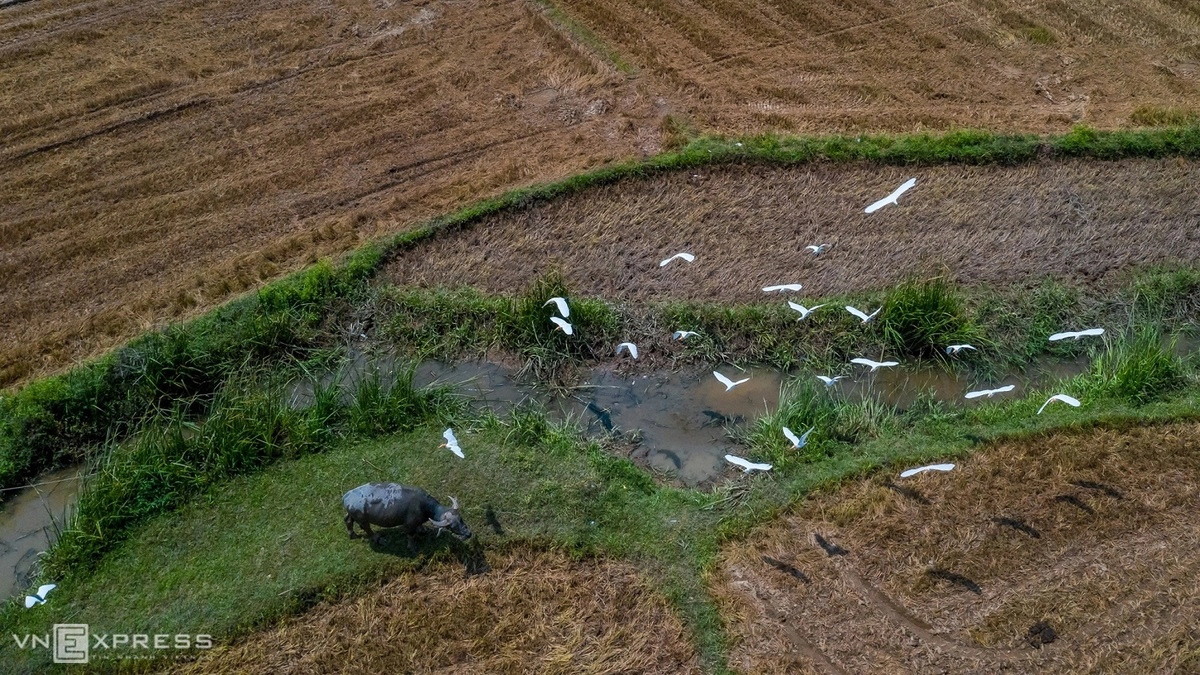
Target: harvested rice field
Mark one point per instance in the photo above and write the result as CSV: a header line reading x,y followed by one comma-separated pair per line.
x,y
1078,222
532,612
1060,554
159,159
904,64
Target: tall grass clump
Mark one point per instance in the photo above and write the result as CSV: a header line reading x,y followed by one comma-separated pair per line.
x,y
1168,294
524,325
176,456
921,317
804,404
1136,366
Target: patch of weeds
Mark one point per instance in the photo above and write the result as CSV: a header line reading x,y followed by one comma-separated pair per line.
x,y
1137,366
921,317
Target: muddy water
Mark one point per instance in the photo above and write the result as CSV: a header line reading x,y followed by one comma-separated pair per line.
x,y
29,522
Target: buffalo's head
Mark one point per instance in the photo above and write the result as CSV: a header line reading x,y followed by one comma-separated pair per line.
x,y
452,521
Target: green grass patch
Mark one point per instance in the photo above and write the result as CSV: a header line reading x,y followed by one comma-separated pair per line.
x,y
920,318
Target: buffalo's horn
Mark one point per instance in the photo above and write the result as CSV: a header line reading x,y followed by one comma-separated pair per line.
x,y
453,503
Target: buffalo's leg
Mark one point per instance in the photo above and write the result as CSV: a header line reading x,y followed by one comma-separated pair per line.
x,y
350,526
367,528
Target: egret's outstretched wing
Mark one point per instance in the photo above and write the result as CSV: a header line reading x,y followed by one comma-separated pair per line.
x,y
563,325
931,467
562,305
449,436
863,315
31,600
630,346
804,437
1091,331
817,250
892,198
746,464
781,288
954,349
688,257
729,384
792,437
1069,400
829,380
44,589
1062,336
681,334
989,392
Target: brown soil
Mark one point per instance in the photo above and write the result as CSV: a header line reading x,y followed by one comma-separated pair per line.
x,y
812,65
942,587
1081,222
159,158
532,613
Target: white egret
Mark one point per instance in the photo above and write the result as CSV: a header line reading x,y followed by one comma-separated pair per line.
x,y
729,384
746,464
891,199
799,442
682,256
874,364
863,315
681,334
451,443
629,346
1075,335
781,288
804,311
39,597
954,349
562,305
563,325
817,250
829,381
991,392
1069,400
931,467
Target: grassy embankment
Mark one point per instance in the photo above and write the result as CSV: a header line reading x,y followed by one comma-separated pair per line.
x,y
547,485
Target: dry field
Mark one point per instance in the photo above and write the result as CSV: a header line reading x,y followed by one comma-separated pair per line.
x,y
811,65
532,613
1093,535
1082,222
158,157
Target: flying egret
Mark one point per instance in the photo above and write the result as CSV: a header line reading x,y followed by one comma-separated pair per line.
x,y
931,467
829,381
627,345
991,392
746,464
781,288
817,250
874,364
954,349
797,442
804,311
562,306
1075,335
1071,401
862,315
891,199
729,384
681,334
39,597
563,325
451,443
683,256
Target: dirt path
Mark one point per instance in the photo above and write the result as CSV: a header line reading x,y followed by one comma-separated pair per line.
x,y
948,586
1080,222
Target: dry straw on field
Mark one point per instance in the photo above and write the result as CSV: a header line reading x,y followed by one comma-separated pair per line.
x,y
748,227
533,612
1093,533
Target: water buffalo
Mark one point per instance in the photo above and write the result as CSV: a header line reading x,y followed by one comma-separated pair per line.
x,y
392,505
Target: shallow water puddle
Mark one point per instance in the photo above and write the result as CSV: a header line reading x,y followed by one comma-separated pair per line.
x,y
29,522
